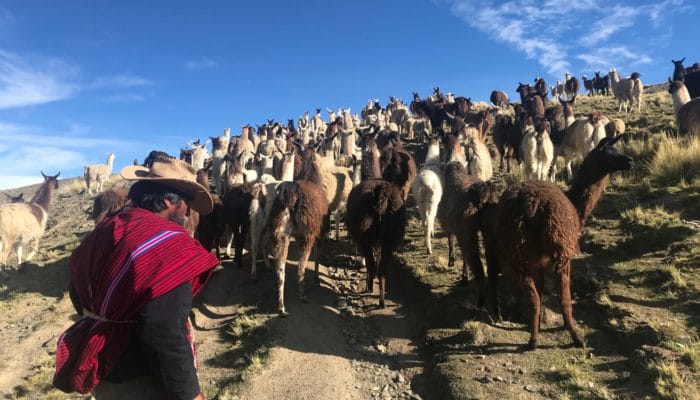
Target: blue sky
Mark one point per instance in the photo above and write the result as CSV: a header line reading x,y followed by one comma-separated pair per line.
x,y
79,79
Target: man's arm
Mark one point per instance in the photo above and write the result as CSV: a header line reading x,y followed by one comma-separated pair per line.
x,y
163,338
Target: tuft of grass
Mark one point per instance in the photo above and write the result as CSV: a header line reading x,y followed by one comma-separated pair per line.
x,y
638,218
676,161
690,355
670,384
473,331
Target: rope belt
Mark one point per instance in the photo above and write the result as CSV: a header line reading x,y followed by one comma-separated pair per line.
x,y
90,314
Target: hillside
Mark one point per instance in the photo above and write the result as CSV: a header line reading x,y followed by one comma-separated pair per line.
x,y
635,288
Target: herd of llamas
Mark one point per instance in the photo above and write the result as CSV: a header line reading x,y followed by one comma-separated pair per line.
x,y
279,181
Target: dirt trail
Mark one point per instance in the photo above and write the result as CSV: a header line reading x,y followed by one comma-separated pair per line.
x,y
332,347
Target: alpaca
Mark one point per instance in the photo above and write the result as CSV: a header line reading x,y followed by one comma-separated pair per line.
x,y
298,211
98,173
687,111
540,225
545,150
427,190
376,215
528,150
23,224
109,203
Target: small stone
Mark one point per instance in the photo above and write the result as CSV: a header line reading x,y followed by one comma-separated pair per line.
x,y
375,388
485,379
480,357
385,389
398,378
499,379
530,388
381,348
522,371
590,355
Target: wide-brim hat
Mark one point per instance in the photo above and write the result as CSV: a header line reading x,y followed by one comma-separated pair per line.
x,y
175,174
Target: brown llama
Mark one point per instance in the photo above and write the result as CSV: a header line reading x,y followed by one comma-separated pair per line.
x,y
399,163
298,211
376,214
109,203
212,226
535,228
462,197
23,224
15,199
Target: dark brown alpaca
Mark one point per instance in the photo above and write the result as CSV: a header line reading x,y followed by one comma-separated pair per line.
x,y
376,216
298,211
537,227
108,203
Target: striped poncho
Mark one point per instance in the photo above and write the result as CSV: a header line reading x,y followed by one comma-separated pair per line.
x,y
127,261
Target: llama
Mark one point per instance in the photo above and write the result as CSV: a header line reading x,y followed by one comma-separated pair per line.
x,y
507,136
298,211
263,196
540,225
98,173
457,212
109,203
687,111
479,159
628,91
427,190
399,162
23,224
218,171
15,199
211,227
528,149
499,98
580,138
614,128
376,215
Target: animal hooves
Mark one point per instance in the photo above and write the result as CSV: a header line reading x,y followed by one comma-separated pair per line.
x,y
579,341
283,313
531,345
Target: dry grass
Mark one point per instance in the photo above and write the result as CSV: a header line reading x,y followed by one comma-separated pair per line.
x,y
676,162
671,385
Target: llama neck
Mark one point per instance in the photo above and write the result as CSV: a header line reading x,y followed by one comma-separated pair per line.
x,y
110,164
585,193
370,166
43,195
680,97
433,156
288,169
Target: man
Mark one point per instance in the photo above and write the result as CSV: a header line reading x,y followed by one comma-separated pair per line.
x,y
133,279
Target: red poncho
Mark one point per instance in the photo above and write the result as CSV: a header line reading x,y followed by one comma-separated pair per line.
x,y
127,261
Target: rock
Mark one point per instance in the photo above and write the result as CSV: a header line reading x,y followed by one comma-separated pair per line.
x,y
480,357
381,348
530,388
398,378
522,371
485,379
375,388
499,379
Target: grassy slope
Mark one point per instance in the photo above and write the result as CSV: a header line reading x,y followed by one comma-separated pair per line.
x,y
635,290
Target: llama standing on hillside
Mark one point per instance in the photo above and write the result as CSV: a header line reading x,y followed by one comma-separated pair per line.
x,y
687,110
23,224
427,190
535,228
98,173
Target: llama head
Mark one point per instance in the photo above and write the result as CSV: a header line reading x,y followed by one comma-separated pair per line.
x,y
675,86
606,159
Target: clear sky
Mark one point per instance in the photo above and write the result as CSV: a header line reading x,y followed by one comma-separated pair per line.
x,y
81,78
